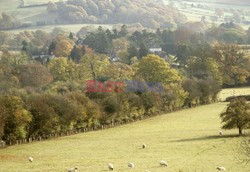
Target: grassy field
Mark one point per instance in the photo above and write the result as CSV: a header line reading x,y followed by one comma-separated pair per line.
x,y
67,27
37,2
7,6
233,92
195,13
187,140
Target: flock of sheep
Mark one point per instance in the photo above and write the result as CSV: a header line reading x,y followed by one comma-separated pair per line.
x,y
132,165
162,163
111,166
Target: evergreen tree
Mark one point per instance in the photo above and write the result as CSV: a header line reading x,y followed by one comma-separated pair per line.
x,y
143,51
52,47
77,52
132,52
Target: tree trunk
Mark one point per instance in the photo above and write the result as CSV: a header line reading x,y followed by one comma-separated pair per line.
x,y
240,131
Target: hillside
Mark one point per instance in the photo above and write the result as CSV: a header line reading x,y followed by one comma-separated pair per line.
x,y
231,2
41,12
234,2
187,139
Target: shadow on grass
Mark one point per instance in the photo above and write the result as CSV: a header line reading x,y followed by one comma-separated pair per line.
x,y
208,138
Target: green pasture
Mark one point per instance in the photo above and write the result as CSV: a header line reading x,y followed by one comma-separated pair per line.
x,y
188,140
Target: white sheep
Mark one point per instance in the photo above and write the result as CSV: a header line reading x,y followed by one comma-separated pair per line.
x,y
131,165
144,146
111,166
73,169
221,133
163,163
221,168
3,143
31,159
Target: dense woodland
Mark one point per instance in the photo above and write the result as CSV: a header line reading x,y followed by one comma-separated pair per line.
x,y
116,11
43,77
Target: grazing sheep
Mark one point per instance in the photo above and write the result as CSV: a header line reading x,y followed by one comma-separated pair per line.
x,y
221,133
221,168
31,159
73,169
3,143
144,146
163,163
111,166
131,165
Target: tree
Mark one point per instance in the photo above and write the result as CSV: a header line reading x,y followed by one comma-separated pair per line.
x,y
143,51
34,75
182,54
132,52
77,53
52,47
92,66
124,31
7,22
15,116
248,35
5,38
2,120
62,69
25,47
45,118
182,35
204,68
118,72
9,64
194,93
120,44
203,18
236,17
40,38
219,12
237,115
152,68
233,63
71,36
98,41
51,8
63,48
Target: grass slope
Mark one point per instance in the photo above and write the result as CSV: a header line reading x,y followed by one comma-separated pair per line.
x,y
229,92
8,5
68,27
37,2
187,139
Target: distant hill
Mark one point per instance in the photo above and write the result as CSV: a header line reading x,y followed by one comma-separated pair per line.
x,y
230,2
234,2
149,13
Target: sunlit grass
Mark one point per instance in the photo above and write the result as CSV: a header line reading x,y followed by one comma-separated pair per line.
x,y
233,92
